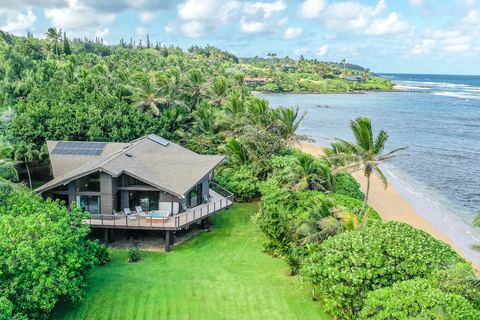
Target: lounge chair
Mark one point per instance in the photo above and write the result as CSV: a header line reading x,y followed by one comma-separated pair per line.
x,y
206,198
140,211
131,216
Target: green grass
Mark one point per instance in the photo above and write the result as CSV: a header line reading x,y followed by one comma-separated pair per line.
x,y
209,277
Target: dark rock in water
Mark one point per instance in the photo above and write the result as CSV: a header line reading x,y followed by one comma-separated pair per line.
x,y
319,106
327,106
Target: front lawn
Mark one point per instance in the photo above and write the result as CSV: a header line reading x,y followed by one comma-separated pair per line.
x,y
218,275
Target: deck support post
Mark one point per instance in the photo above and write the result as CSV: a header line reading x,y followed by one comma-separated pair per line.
x,y
168,238
204,224
105,235
110,235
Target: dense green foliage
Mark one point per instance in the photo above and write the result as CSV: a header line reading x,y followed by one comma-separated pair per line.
x,y
43,255
348,186
243,182
134,254
209,277
416,299
349,266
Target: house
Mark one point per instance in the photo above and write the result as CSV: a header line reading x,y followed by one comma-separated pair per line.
x,y
355,78
110,179
286,66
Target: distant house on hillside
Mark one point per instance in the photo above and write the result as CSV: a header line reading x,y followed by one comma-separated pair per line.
x,y
261,81
355,78
286,66
149,183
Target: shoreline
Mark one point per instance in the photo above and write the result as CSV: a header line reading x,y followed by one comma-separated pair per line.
x,y
342,92
390,205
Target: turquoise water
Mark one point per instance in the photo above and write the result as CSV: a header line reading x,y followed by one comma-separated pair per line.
x,y
441,177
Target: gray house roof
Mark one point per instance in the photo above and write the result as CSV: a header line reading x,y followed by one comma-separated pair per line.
x,y
163,164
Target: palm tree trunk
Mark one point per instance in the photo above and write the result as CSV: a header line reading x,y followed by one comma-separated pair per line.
x,y
29,177
366,195
313,294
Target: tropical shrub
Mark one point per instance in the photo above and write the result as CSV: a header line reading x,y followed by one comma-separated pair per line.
x,y
294,258
135,254
103,253
348,266
6,311
43,255
352,204
242,181
348,186
459,279
416,299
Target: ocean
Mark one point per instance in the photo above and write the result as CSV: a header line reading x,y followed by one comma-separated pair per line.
x,y
439,122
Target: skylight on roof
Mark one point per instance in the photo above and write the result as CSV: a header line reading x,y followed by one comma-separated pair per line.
x,y
158,140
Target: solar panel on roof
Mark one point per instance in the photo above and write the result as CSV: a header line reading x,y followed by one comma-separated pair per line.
x,y
158,140
74,148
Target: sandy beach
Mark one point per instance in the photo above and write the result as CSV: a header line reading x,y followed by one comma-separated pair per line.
x,y
390,205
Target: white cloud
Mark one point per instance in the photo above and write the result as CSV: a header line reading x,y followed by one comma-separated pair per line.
x,y
322,50
148,16
458,48
257,17
102,33
141,33
416,2
171,28
194,29
20,23
217,11
350,16
473,18
311,9
425,47
293,33
390,25
300,51
77,15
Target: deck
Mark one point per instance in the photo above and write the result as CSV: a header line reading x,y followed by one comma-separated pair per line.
x,y
220,199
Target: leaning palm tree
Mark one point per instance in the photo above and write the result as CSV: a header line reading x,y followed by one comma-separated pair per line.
x,y
235,152
8,171
234,112
54,36
365,154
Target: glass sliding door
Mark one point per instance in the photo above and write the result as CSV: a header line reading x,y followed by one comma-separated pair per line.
x,y
89,203
194,197
148,200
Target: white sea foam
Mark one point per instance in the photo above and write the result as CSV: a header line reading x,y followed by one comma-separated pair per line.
x,y
461,95
436,210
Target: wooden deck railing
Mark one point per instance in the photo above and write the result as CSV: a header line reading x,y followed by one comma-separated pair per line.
x,y
176,222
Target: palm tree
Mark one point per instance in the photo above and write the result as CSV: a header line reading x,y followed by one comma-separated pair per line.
x,y
260,115
289,124
235,152
233,113
54,36
26,152
303,174
146,95
218,90
8,171
327,220
195,84
365,153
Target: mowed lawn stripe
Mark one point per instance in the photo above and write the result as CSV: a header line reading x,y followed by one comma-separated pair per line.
x,y
209,277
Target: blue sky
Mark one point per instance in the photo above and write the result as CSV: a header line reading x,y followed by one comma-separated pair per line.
x,y
408,36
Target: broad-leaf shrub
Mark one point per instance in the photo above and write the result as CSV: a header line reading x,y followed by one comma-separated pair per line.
x,y
350,204
348,266
42,254
348,186
415,299
242,181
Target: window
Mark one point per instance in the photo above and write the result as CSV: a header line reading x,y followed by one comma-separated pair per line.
x,y
88,183
194,197
62,197
148,200
135,182
89,203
